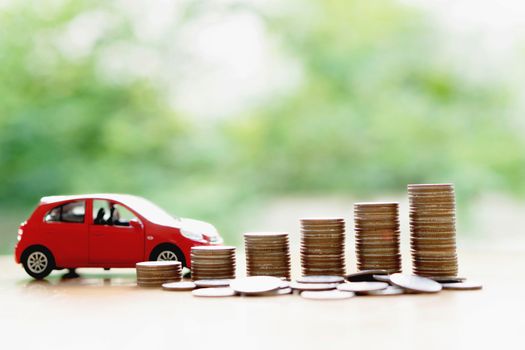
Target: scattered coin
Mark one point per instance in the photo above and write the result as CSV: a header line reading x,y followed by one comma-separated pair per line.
x,y
390,290
365,275
466,285
327,295
320,279
280,291
178,286
283,291
313,286
362,286
382,278
415,283
284,284
212,283
446,279
213,292
255,284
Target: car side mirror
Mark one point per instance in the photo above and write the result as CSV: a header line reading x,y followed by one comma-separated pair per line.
x,y
135,223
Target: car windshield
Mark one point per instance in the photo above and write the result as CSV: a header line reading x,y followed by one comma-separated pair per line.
x,y
151,211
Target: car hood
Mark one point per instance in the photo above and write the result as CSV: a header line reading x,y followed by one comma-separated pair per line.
x,y
198,226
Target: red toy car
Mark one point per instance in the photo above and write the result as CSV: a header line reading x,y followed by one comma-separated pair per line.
x,y
105,230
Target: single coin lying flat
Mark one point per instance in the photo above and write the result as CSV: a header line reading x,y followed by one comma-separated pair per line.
x,y
256,284
415,283
313,286
466,285
362,286
212,283
327,295
448,279
178,286
388,291
280,291
214,292
382,278
320,279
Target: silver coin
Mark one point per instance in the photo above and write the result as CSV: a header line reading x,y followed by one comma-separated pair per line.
x,y
284,284
313,286
382,278
365,275
390,290
320,279
327,295
466,285
255,284
415,283
212,283
213,292
178,286
280,291
448,279
362,286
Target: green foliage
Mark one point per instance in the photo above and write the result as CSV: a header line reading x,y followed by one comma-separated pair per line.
x,y
377,108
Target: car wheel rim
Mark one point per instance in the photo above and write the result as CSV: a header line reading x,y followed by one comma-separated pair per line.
x,y
167,255
37,262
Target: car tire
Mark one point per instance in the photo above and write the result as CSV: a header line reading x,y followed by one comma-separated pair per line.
x,y
168,252
38,262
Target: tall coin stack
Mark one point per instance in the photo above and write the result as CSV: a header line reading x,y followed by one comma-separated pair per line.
x,y
212,262
323,246
433,230
377,236
267,254
155,273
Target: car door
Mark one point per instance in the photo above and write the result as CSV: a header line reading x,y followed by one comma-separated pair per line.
x,y
113,240
65,233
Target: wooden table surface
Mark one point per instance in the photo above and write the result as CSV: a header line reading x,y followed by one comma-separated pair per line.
x,y
105,310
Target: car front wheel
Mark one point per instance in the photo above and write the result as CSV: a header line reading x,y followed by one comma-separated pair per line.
x,y
168,252
38,262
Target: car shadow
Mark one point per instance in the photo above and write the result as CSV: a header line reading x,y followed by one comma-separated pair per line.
x,y
86,278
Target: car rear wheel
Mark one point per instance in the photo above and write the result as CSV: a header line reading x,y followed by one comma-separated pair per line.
x,y
38,262
168,252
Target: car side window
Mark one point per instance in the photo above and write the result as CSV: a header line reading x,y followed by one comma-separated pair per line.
x,y
122,215
101,212
109,213
73,212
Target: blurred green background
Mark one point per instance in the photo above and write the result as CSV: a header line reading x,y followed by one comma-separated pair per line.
x,y
215,110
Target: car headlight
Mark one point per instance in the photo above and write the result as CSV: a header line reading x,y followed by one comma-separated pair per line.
x,y
194,236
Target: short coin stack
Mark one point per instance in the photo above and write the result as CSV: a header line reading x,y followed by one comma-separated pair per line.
x,y
155,273
377,236
323,246
212,262
267,254
433,230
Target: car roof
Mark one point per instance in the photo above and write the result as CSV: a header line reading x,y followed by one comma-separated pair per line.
x,y
109,196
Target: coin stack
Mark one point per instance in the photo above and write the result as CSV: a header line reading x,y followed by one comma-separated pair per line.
x,y
433,230
155,273
377,236
323,246
212,262
267,254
